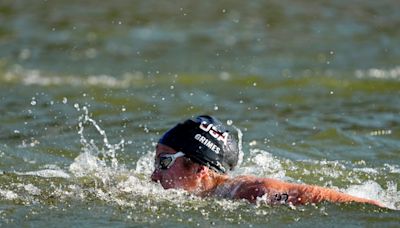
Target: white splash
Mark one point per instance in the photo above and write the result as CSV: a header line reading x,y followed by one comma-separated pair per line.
x,y
47,173
263,164
32,189
108,151
8,195
372,190
240,145
393,168
145,164
86,164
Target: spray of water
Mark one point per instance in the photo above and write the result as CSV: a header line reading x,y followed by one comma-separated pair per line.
x,y
109,150
240,142
112,182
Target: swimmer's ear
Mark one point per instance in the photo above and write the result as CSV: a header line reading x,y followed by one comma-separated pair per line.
x,y
202,170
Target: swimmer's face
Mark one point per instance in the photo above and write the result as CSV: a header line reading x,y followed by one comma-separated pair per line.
x,y
180,173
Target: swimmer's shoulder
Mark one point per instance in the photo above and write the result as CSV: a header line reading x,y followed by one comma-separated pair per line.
x,y
243,187
251,188
248,187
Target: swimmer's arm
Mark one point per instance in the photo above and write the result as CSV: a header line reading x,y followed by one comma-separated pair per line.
x,y
304,194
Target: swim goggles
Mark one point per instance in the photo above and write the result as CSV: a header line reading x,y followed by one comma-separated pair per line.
x,y
165,161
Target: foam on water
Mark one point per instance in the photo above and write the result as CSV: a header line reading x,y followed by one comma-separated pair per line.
x,y
32,189
37,77
393,73
8,195
393,168
47,173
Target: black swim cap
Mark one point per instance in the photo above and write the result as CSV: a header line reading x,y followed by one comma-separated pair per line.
x,y
206,141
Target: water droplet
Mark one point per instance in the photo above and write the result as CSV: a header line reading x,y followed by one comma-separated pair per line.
x,y
25,54
65,100
123,109
253,143
224,76
215,107
76,106
229,122
33,102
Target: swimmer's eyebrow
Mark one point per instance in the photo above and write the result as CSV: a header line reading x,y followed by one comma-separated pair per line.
x,y
158,154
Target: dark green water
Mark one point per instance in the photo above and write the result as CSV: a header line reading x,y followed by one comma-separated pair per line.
x,y
86,89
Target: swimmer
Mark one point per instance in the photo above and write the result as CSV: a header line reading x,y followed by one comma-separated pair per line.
x,y
197,154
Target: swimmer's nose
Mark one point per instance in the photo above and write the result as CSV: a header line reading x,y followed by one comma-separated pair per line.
x,y
155,176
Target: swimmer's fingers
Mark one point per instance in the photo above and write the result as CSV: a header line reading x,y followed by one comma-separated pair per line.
x,y
376,203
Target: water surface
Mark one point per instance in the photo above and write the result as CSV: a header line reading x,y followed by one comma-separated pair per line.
x,y
87,89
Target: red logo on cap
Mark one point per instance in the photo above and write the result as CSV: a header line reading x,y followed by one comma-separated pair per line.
x,y
210,128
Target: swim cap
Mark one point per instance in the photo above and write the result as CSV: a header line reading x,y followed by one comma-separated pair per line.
x,y
206,141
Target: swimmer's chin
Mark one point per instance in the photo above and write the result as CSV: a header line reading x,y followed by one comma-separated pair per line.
x,y
167,186
162,184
